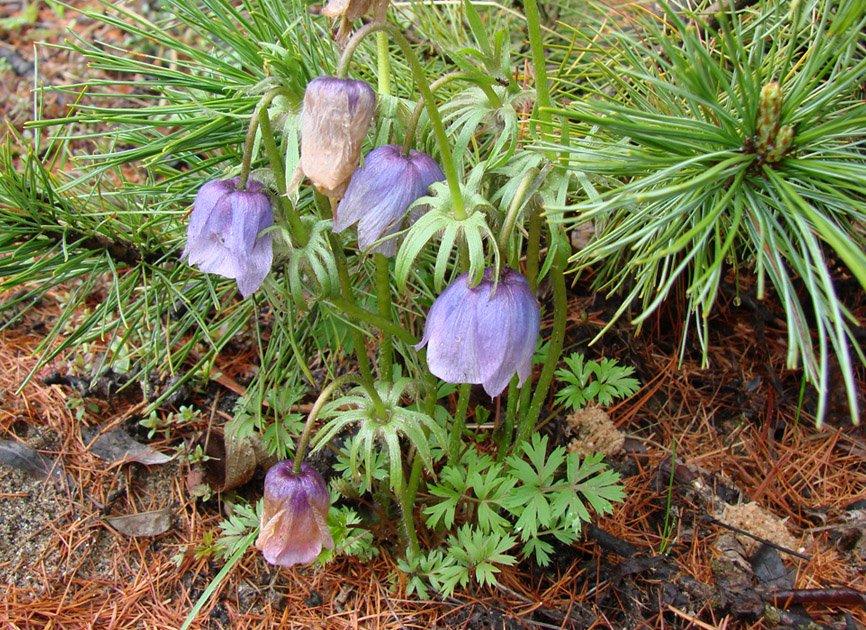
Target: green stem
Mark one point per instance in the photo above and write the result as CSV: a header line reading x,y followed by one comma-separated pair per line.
x,y
383,302
506,432
448,168
383,277
311,419
459,424
374,319
438,83
533,247
490,93
536,45
296,228
407,506
357,335
513,209
407,500
384,64
249,143
523,404
560,315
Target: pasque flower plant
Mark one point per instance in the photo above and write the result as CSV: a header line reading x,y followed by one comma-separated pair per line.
x,y
326,298
381,191
224,235
699,154
483,334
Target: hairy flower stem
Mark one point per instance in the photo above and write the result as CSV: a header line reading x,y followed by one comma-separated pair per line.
x,y
424,87
384,63
506,431
296,228
533,247
513,209
536,45
383,276
311,418
260,119
349,296
357,335
407,499
407,506
383,303
557,336
492,96
459,424
374,319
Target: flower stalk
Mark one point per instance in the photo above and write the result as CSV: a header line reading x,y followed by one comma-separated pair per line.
x,y
419,106
536,45
459,423
560,314
513,210
261,120
301,450
383,303
407,506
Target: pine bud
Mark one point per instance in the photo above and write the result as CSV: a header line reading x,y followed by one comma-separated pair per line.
x,y
769,111
783,142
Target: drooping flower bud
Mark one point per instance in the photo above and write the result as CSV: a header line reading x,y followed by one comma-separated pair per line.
x,y
381,191
782,144
769,112
223,232
334,121
478,335
294,527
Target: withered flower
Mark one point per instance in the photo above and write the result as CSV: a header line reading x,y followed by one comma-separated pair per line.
x,y
334,122
350,10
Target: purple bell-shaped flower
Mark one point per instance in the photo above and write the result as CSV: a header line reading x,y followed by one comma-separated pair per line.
x,y
381,191
476,335
223,232
294,527
334,121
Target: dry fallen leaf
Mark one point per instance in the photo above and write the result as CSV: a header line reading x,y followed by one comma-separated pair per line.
x,y
116,446
142,524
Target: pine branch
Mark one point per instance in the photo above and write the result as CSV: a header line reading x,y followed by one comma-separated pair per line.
x,y
120,250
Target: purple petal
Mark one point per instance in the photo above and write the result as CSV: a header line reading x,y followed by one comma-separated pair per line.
x,y
449,334
251,255
293,537
475,335
208,197
380,193
508,336
495,331
206,249
294,527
